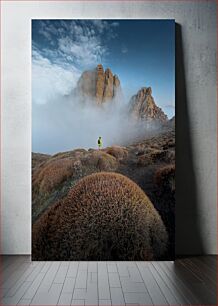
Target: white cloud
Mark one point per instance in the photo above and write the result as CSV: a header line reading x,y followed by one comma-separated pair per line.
x,y
69,48
115,24
82,40
88,51
50,80
100,25
47,29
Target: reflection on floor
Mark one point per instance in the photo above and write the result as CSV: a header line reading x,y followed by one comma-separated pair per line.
x,y
187,281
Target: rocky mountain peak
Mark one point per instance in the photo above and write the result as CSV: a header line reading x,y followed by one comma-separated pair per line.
x,y
143,106
98,84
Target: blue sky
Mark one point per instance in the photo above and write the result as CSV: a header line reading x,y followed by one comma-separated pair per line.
x,y
140,52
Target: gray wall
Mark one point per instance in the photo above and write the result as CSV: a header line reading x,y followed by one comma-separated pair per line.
x,y
196,113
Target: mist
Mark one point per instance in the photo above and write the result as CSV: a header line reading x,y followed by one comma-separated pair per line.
x,y
69,122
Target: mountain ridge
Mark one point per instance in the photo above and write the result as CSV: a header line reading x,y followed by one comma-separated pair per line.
x,y
103,87
99,84
143,106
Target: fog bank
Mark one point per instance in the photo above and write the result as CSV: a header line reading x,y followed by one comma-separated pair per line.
x,y
67,123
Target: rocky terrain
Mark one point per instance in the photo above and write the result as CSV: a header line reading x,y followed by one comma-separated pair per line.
x,y
102,86
143,107
149,163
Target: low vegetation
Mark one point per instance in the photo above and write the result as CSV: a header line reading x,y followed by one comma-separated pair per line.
x,y
118,152
165,178
106,216
150,163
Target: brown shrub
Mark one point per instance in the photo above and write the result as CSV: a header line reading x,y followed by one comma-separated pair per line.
x,y
77,153
118,152
38,159
101,161
53,174
144,160
169,144
106,216
155,145
151,156
157,155
165,178
170,156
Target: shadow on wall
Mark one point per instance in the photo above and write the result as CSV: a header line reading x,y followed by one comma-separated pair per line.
x,y
188,233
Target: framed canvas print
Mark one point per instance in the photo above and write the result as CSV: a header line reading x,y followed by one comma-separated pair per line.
x,y
103,139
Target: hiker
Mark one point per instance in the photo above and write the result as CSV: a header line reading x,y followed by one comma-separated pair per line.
x,y
100,143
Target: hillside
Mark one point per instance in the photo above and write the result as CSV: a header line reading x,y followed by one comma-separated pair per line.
x,y
75,185
149,163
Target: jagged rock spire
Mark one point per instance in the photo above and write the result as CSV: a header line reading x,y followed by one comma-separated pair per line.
x,y
142,106
99,84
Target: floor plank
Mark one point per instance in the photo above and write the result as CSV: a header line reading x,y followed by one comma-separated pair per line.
x,y
155,292
29,276
187,281
179,284
48,298
206,295
177,291
168,293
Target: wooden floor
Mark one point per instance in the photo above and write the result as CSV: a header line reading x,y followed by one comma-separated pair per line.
x,y
188,281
